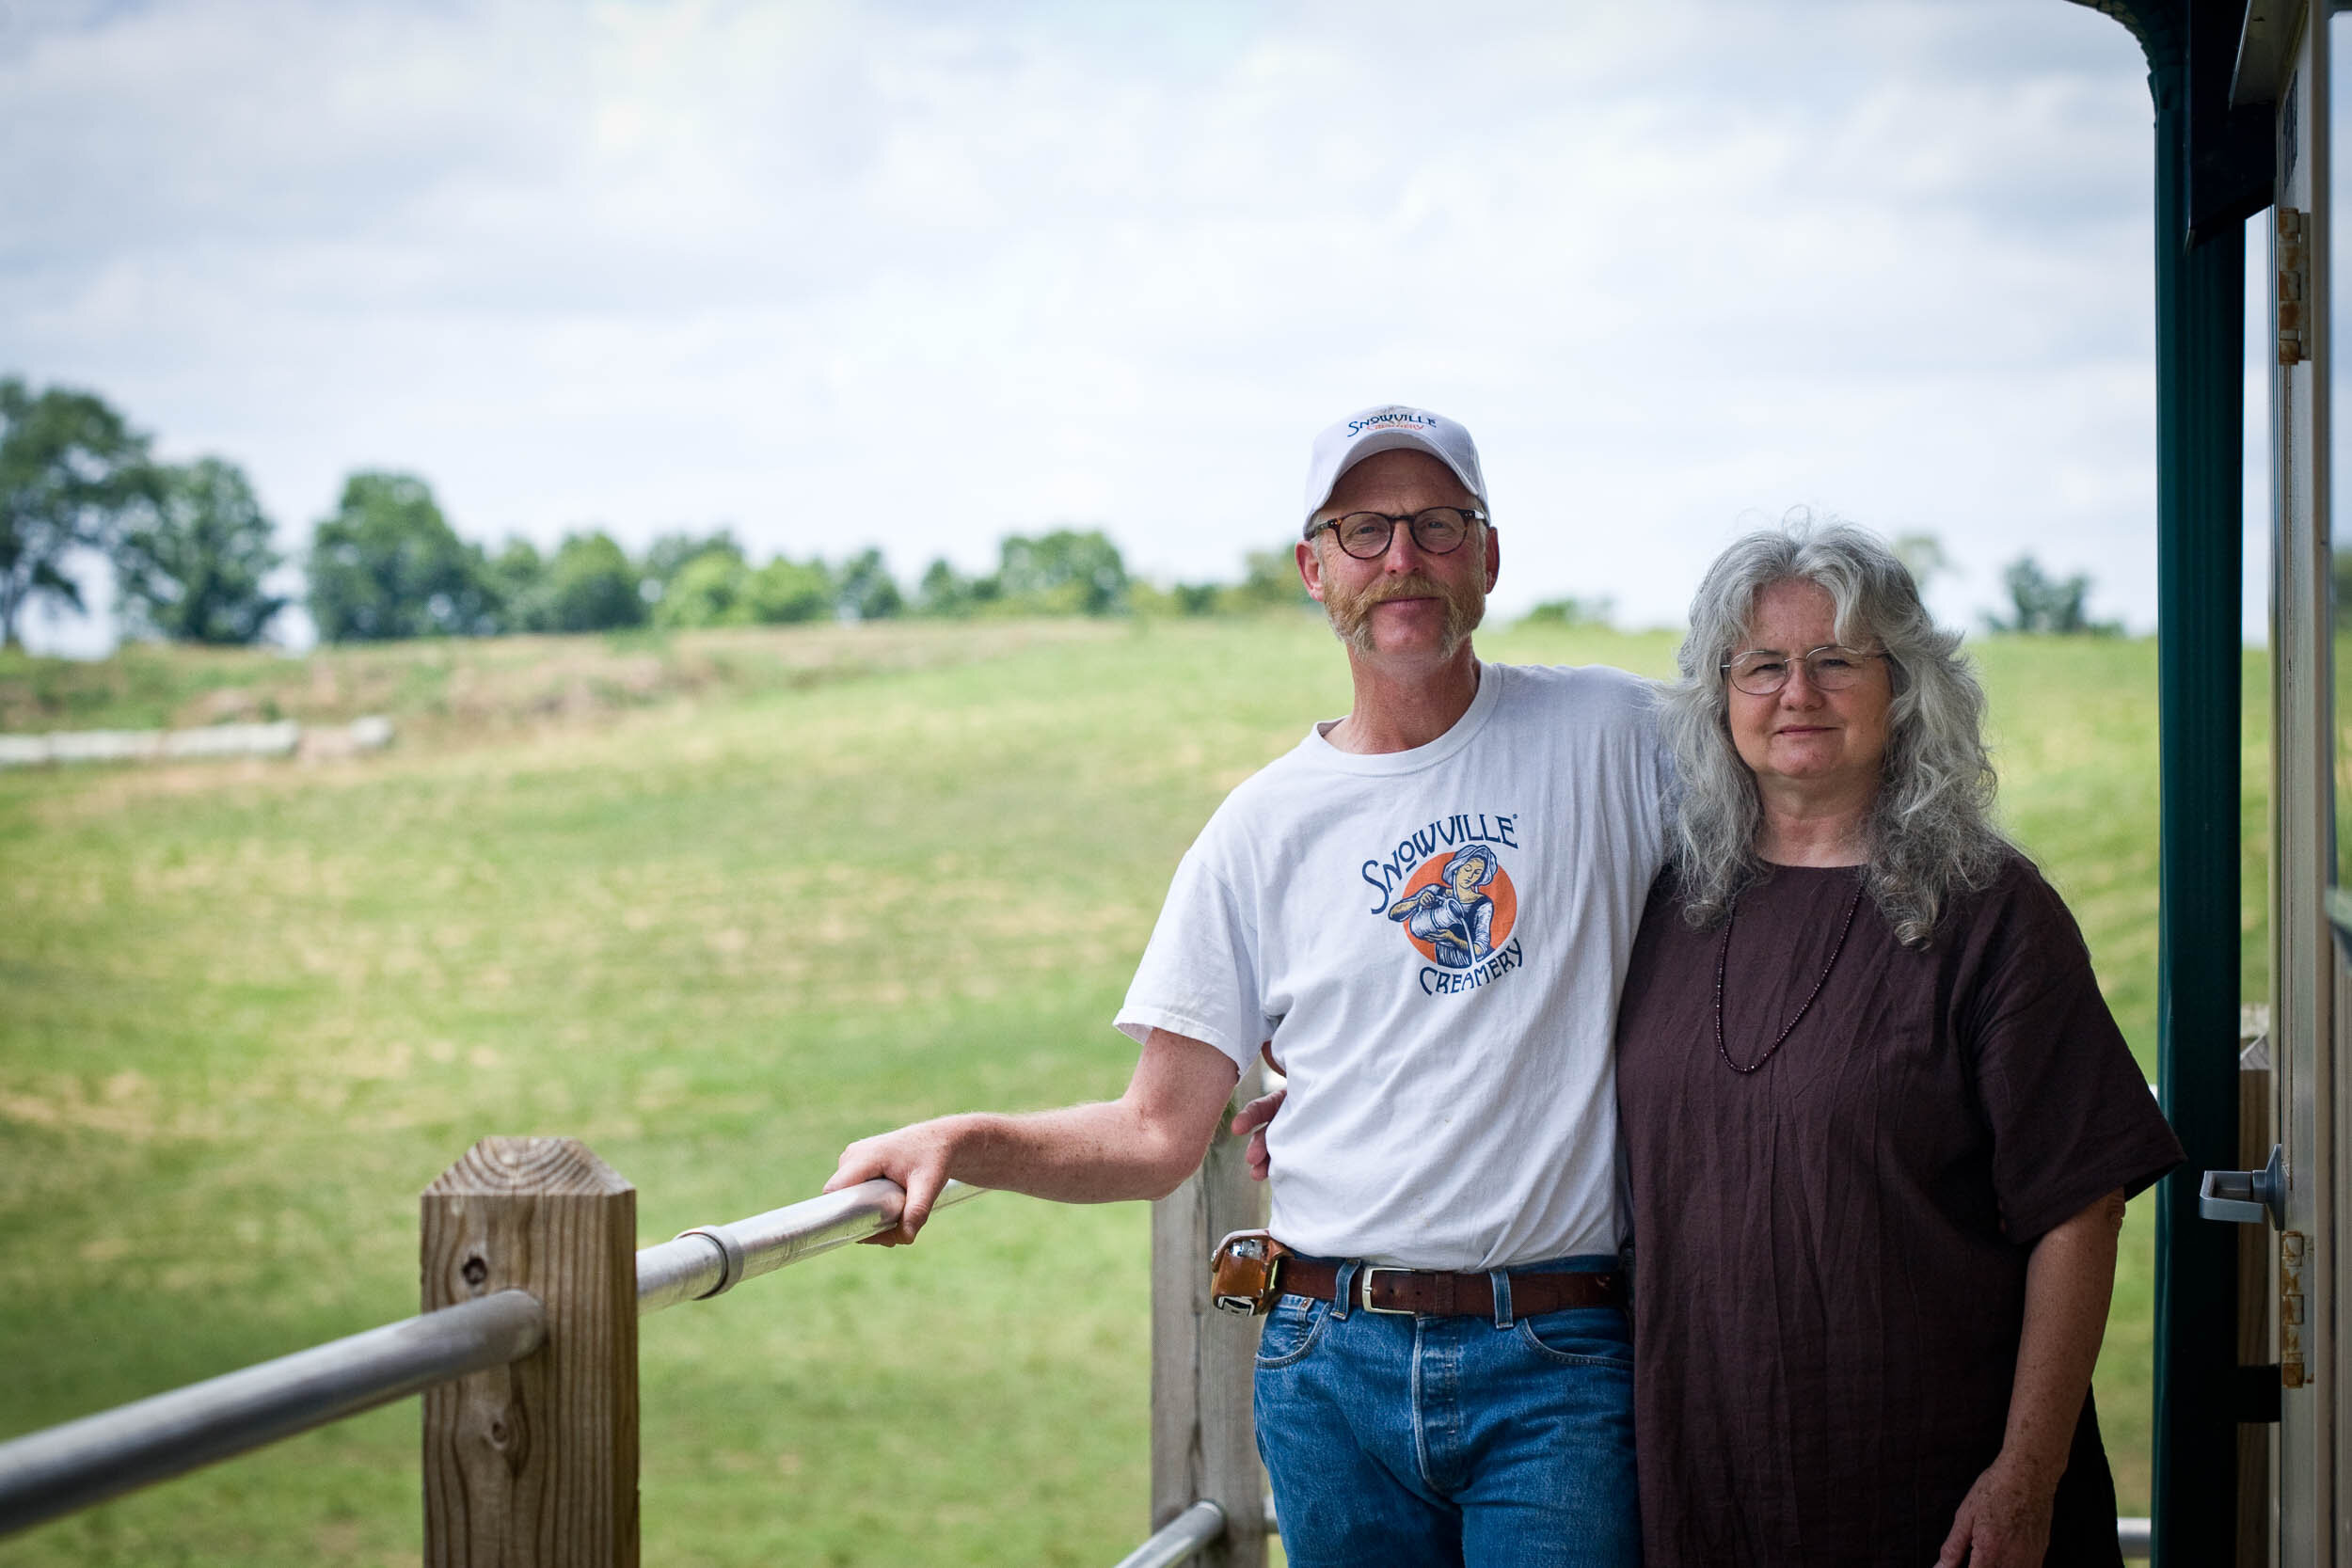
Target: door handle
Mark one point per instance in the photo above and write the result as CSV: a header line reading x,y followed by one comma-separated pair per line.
x,y
2246,1196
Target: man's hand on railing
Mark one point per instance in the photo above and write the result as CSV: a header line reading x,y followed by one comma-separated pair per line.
x,y
917,1158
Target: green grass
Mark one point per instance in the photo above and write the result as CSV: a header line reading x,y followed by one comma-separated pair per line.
x,y
715,929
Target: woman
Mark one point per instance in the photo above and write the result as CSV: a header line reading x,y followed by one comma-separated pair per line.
x,y
1879,1122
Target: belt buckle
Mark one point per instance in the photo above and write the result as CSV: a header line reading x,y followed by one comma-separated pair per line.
x,y
1363,1288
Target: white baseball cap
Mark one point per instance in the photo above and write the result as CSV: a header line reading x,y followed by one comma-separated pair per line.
x,y
1385,428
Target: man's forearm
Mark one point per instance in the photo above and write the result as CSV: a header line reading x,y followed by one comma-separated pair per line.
x,y
1099,1153
1141,1145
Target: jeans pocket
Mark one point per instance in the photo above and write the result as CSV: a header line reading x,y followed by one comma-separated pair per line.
x,y
1290,1330
1579,1337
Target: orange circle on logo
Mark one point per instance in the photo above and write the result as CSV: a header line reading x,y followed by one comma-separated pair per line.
x,y
1505,896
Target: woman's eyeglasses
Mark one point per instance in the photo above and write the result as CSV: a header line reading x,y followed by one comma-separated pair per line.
x,y
1831,667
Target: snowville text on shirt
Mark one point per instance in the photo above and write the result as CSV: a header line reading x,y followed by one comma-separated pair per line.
x,y
1459,829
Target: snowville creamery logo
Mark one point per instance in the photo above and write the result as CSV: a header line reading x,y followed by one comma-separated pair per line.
x,y
1445,886
1390,418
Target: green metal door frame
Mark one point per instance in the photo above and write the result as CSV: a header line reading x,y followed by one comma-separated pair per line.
x,y
2200,360
2212,172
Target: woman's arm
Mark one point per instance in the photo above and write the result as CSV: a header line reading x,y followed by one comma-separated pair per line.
x,y
2069,1278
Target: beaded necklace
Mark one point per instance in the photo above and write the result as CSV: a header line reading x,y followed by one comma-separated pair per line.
x,y
1722,963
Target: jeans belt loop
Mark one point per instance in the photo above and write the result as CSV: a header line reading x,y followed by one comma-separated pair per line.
x,y
1343,1291
1501,1278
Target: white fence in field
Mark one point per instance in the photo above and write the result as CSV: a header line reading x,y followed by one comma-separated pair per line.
x,y
281,739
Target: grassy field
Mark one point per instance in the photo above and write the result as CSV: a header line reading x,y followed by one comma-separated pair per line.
x,y
748,897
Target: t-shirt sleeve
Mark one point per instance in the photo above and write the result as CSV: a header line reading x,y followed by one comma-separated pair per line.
x,y
1198,976
2070,1113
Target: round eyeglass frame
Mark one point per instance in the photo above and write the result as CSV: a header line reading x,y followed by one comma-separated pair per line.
x,y
1840,681
1412,522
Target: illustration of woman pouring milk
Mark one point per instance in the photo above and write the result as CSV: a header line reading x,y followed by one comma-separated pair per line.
x,y
1451,913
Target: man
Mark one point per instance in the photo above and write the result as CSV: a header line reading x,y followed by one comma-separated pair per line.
x,y
1425,910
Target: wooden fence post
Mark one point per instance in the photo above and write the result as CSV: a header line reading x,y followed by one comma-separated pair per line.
x,y
1202,1360
534,1465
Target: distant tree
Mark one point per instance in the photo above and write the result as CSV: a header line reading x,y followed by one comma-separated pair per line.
x,y
712,589
2040,603
518,582
1923,557
1198,598
1269,578
866,589
592,585
789,591
387,564
190,566
2340,577
1599,610
71,471
670,553
1062,572
945,591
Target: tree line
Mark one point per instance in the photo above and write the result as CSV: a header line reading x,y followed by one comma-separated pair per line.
x,y
195,556
189,544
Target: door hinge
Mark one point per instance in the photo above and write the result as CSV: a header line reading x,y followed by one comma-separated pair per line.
x,y
2290,1250
2295,285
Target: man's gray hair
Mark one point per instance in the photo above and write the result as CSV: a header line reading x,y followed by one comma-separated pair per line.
x,y
1930,834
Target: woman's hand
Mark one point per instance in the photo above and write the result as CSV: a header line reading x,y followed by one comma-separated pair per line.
x,y
2004,1521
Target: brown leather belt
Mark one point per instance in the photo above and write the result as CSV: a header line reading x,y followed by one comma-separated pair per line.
x,y
1382,1288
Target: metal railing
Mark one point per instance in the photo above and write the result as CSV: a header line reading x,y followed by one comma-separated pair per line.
x,y
46,1474
1179,1539
712,1260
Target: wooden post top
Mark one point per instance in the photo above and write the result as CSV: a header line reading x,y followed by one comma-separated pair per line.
x,y
534,1465
550,1168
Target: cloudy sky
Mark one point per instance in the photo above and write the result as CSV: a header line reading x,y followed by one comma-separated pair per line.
x,y
921,273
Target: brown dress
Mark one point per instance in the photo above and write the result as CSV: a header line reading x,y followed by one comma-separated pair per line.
x,y
1830,1252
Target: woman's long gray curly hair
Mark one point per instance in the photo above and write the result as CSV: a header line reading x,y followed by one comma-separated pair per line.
x,y
1930,834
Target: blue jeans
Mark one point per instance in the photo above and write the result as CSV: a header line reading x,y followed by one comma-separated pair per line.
x,y
1404,1441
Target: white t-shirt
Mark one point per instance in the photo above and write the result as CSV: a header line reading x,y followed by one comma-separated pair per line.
x,y
1434,941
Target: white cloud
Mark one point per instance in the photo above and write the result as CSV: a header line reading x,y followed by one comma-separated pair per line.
x,y
890,273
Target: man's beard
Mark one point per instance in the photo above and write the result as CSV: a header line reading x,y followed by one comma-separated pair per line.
x,y
1350,611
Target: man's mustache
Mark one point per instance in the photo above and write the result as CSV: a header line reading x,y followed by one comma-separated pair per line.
x,y
1412,585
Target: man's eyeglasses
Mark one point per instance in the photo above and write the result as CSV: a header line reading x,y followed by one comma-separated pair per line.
x,y
1831,667
1365,535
